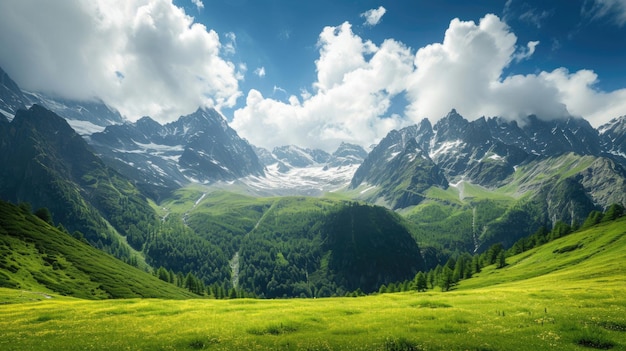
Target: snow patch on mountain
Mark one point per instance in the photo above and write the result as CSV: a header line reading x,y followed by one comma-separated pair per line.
x,y
7,114
314,180
445,148
84,128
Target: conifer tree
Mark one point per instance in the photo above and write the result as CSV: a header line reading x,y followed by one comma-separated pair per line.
x,y
430,277
594,218
445,280
232,293
501,259
613,212
476,264
420,282
163,274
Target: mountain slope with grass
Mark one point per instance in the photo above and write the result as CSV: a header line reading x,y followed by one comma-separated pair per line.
x,y
36,256
587,259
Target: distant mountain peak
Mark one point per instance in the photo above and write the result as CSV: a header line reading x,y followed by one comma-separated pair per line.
x,y
199,147
146,123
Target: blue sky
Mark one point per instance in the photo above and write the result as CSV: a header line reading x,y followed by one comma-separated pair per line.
x,y
281,36
318,73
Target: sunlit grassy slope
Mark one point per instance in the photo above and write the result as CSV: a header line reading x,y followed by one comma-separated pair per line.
x,y
569,294
36,256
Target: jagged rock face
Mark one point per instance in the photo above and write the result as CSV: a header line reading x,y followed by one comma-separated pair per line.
x,y
604,181
400,168
487,151
549,138
452,127
213,150
414,165
11,97
200,147
613,136
265,156
346,155
85,117
566,200
385,151
474,149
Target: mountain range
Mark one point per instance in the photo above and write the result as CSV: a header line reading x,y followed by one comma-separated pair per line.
x,y
193,196
488,152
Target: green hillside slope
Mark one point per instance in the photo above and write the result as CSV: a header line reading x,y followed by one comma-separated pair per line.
x,y
586,259
36,256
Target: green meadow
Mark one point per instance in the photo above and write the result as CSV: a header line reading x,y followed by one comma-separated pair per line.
x,y
569,294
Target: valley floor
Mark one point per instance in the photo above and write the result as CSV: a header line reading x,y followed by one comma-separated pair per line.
x,y
497,318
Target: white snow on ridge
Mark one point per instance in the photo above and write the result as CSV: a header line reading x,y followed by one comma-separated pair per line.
x,y
445,148
160,147
8,114
83,127
158,169
393,154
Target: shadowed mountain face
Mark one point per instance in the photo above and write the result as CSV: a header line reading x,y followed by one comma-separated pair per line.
x,y
49,165
11,97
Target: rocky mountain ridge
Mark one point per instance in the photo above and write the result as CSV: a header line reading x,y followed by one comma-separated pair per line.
x,y
199,147
202,148
490,152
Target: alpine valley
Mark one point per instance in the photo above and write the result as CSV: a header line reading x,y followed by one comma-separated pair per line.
x,y
199,207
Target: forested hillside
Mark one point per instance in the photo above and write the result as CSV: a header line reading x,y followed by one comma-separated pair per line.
x,y
284,247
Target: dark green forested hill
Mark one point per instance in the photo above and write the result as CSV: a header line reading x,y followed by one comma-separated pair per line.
x,y
284,246
36,256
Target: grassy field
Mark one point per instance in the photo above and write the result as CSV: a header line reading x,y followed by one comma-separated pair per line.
x,y
569,294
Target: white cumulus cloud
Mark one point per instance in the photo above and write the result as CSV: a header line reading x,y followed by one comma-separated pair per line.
x,y
143,57
466,72
373,16
350,96
357,82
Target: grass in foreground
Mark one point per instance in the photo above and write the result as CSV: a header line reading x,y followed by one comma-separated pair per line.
x,y
483,319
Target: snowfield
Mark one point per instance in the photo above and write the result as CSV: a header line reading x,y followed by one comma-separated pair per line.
x,y
314,180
